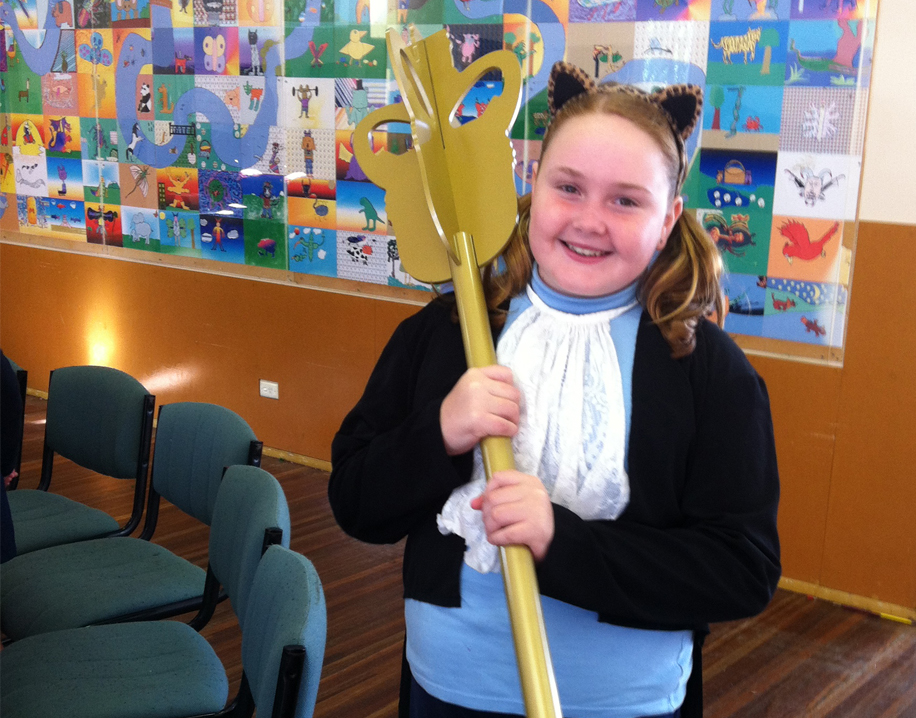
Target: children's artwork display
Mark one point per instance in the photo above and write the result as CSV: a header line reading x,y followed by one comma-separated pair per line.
x,y
223,129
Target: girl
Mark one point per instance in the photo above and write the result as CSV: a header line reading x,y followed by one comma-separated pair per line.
x,y
646,483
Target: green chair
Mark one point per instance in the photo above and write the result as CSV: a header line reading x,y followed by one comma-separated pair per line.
x,y
22,376
130,579
101,419
283,637
165,669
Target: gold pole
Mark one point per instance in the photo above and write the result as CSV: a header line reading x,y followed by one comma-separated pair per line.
x,y
448,222
522,595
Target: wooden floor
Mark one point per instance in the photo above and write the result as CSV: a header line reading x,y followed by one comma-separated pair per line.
x,y
801,657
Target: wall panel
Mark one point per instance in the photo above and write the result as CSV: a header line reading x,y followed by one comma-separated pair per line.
x,y
198,337
870,546
804,401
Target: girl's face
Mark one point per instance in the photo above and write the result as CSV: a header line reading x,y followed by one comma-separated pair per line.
x,y
600,206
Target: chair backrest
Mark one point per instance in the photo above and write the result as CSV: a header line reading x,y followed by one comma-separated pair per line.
x,y
96,417
249,502
286,609
194,444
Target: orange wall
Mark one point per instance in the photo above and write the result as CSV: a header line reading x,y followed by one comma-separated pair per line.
x,y
845,436
870,541
191,336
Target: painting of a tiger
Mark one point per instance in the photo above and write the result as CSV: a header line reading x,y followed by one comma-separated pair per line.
x,y
733,44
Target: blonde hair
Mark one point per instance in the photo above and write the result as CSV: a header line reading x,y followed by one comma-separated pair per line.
x,y
682,285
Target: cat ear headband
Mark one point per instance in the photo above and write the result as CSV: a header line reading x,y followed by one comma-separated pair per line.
x,y
681,105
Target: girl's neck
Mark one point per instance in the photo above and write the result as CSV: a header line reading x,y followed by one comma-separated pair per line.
x,y
580,305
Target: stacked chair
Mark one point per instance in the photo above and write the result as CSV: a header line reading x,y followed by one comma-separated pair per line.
x,y
101,419
80,606
149,669
119,579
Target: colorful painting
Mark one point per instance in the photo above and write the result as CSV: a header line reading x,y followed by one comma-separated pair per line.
x,y
223,130
312,251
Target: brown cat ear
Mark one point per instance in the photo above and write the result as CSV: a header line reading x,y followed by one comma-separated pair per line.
x,y
684,105
566,81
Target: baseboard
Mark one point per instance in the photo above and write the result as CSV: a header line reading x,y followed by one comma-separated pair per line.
x,y
890,611
297,458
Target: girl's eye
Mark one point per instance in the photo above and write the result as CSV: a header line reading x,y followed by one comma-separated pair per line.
x,y
568,188
627,202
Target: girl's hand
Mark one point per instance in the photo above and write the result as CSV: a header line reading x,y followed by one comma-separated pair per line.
x,y
516,510
484,402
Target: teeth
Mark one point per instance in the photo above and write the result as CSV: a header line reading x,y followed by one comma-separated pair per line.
x,y
585,252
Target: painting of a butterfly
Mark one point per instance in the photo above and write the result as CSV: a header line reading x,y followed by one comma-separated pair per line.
x,y
141,181
215,53
94,52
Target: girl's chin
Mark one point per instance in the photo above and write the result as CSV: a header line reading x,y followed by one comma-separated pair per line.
x,y
575,284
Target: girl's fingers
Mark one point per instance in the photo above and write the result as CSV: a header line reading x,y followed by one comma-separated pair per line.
x,y
494,406
505,409
523,526
502,390
497,372
516,509
504,515
483,403
504,503
498,381
513,477
497,426
512,535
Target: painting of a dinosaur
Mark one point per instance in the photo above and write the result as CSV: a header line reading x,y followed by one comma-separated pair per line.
x,y
846,50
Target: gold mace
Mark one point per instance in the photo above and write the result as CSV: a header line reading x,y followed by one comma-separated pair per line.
x,y
456,184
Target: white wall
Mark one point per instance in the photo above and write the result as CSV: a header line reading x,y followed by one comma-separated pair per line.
x,y
889,172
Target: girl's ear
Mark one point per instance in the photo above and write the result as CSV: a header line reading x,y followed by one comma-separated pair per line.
x,y
674,214
684,105
566,81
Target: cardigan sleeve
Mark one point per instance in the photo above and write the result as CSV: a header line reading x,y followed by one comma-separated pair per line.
x,y
709,550
11,421
390,467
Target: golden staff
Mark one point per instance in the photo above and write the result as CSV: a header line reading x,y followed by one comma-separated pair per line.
x,y
456,184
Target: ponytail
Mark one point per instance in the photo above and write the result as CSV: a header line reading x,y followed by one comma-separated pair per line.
x,y
682,286
509,274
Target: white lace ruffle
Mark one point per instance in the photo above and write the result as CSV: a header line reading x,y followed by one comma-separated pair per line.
x,y
573,421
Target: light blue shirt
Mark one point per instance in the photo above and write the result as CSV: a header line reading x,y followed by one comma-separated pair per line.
x,y
465,656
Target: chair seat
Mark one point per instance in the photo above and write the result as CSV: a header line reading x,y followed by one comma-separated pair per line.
x,y
83,583
117,671
43,519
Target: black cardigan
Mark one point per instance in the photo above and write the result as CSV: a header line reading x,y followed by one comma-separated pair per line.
x,y
697,542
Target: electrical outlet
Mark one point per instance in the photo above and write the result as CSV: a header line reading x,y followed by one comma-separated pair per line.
x,y
270,389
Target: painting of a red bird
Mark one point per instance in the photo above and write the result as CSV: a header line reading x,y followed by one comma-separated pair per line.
x,y
800,244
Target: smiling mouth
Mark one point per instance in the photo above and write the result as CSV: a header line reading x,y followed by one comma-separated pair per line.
x,y
582,252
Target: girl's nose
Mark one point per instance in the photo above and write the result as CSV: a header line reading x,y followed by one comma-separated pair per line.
x,y
589,221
